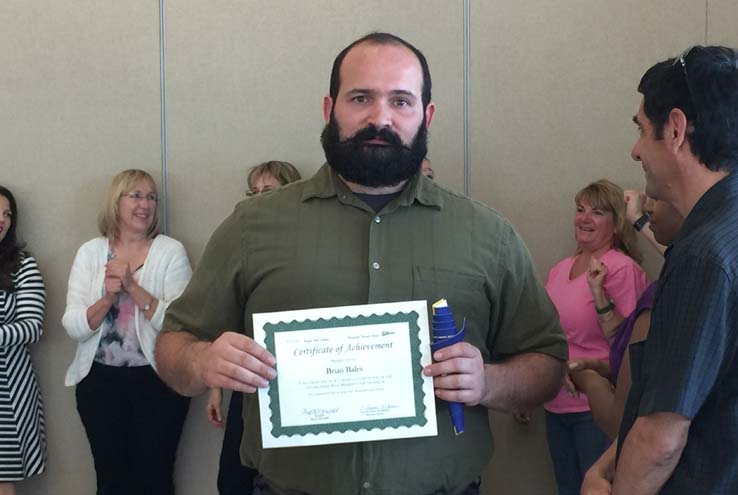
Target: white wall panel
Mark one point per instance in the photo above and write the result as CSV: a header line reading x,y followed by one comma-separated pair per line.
x,y
79,92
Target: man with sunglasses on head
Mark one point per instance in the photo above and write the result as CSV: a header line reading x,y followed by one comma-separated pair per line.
x,y
370,228
679,433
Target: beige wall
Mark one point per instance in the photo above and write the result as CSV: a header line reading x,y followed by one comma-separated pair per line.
x,y
245,85
79,93
552,90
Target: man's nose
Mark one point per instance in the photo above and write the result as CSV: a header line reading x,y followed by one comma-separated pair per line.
x,y
634,153
380,115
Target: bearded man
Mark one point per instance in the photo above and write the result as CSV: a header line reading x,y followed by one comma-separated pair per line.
x,y
370,228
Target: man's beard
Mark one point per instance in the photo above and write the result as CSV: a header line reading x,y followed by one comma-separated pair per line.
x,y
374,165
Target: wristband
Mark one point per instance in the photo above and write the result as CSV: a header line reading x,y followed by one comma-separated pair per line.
x,y
608,307
641,222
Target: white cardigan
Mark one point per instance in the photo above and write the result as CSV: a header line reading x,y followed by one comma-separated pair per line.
x,y
164,275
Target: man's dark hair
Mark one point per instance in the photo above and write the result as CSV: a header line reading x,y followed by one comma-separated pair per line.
x,y
381,39
705,88
11,251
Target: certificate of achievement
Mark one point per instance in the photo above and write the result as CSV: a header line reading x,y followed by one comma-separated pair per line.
x,y
347,374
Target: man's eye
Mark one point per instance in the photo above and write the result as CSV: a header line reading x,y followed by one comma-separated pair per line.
x,y
401,103
360,99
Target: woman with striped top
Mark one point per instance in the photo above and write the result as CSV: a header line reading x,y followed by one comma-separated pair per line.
x,y
22,435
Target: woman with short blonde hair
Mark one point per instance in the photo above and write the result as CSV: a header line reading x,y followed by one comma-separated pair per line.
x,y
119,288
270,175
590,290
609,197
107,217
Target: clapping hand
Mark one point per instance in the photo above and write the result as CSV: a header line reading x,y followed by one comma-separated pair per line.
x,y
120,270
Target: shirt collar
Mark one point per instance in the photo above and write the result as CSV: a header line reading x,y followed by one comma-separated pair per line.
x,y
706,207
326,184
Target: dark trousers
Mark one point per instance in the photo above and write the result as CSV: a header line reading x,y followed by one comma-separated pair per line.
x,y
233,477
261,487
575,443
133,423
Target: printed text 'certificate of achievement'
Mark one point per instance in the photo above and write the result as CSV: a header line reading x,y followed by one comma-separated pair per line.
x,y
347,374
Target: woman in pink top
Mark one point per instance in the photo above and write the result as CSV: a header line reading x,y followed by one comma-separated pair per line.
x,y
605,243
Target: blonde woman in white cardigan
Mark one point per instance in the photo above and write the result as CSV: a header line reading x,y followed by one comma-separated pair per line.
x,y
119,288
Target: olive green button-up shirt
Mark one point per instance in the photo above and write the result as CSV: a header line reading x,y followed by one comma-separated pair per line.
x,y
315,244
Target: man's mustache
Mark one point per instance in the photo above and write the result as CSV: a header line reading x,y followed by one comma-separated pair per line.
x,y
372,132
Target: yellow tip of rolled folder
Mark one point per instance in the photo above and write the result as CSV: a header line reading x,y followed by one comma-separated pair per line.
x,y
441,303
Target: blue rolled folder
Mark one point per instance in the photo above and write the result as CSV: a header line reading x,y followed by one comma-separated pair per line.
x,y
444,334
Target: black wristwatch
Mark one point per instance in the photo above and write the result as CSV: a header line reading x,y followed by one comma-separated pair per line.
x,y
641,222
607,308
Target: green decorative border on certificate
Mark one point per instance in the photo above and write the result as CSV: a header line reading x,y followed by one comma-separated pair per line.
x,y
410,318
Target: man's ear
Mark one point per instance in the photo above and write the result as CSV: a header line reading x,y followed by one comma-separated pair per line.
x,y
430,110
675,128
327,107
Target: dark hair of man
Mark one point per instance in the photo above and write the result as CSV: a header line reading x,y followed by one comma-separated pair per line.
x,y
706,90
11,251
381,39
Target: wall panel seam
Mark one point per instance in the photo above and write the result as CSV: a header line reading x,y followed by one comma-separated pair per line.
x,y
467,175
164,194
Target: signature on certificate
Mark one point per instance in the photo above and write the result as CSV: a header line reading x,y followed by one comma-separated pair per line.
x,y
376,409
319,412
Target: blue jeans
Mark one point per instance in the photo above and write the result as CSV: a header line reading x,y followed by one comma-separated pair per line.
x,y
575,443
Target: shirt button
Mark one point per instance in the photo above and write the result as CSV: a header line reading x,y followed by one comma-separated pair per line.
x,y
367,485
375,265
377,219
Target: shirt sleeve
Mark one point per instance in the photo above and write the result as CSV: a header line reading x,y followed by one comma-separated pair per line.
x,y
523,318
176,276
81,277
690,340
624,286
214,300
30,296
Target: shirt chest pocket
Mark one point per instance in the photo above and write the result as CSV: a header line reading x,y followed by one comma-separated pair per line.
x,y
466,296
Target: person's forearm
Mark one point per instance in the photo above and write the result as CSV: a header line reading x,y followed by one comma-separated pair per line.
x,y
601,397
142,297
598,478
610,325
96,313
605,465
648,234
610,321
177,362
522,382
650,453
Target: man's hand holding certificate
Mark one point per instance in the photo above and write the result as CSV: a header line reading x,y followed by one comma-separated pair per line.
x,y
346,374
